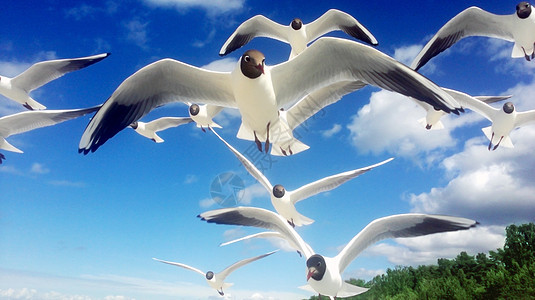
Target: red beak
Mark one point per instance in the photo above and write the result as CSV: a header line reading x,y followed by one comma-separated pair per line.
x,y
260,67
310,273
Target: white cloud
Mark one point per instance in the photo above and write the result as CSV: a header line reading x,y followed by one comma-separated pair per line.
x,y
137,32
190,178
330,132
38,168
213,7
389,124
407,54
251,192
362,273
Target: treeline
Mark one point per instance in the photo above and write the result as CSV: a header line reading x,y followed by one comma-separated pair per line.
x,y
507,273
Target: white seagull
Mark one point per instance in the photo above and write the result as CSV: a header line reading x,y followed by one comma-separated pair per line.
x,y
150,129
18,88
203,115
503,120
284,200
266,235
432,118
200,114
518,28
217,280
324,273
29,120
297,34
326,61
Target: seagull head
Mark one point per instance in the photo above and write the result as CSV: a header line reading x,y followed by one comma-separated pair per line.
x,y
316,267
252,63
508,108
209,275
523,10
296,24
278,191
194,109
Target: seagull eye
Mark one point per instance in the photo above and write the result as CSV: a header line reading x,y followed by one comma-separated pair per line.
x,y
247,58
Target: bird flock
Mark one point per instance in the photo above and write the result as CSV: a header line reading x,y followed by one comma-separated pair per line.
x,y
271,101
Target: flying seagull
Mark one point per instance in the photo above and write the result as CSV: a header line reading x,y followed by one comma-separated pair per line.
x,y
297,34
150,129
324,273
200,114
284,200
518,28
203,115
432,118
39,74
274,87
217,280
29,120
503,120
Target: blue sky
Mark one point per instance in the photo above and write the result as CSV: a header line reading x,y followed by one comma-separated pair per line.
x,y
86,227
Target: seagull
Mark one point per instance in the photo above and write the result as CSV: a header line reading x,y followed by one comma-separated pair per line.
x,y
432,118
297,34
284,201
150,129
503,120
473,21
29,120
217,280
324,273
39,74
273,87
203,115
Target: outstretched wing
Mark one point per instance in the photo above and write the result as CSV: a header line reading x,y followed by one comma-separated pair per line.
x,y
329,183
154,85
397,226
257,217
330,60
29,120
257,26
472,21
248,165
223,274
181,265
46,71
167,122
334,19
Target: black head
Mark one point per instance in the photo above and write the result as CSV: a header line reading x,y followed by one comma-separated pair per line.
x,y
316,267
252,63
209,275
134,125
296,24
278,191
194,109
508,107
523,10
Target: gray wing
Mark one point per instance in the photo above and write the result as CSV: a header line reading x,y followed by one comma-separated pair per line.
x,y
167,122
317,100
474,104
46,71
257,26
472,21
181,265
154,85
330,60
223,274
398,226
329,183
334,19
250,167
29,120
257,217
